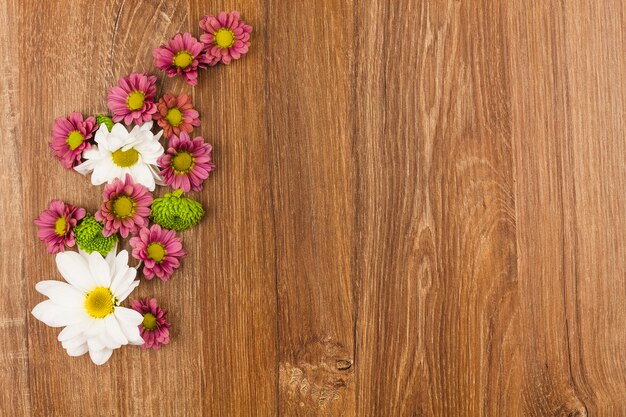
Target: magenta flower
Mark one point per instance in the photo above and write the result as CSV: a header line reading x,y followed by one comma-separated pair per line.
x,y
126,207
159,249
56,225
226,37
154,327
133,100
182,55
70,137
186,163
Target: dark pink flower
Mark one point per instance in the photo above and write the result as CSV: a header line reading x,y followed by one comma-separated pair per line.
x,y
176,114
154,327
70,137
126,207
187,163
132,101
56,225
226,37
182,55
159,249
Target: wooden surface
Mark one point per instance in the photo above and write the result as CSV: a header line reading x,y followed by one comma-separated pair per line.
x,y
419,210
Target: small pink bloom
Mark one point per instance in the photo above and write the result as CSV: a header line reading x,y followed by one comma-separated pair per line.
x,y
126,207
176,114
154,327
186,163
159,249
56,225
70,137
132,101
182,55
226,37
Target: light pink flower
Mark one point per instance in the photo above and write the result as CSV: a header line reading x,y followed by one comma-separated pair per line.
x,y
159,249
176,114
186,163
56,225
70,137
226,37
132,101
154,327
182,55
126,207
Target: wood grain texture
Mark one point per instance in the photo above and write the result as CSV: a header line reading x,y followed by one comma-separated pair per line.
x,y
418,210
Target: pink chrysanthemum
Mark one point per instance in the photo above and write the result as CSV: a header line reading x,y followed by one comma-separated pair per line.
x,y
154,327
126,207
70,137
133,100
226,37
56,225
176,114
182,55
159,249
186,163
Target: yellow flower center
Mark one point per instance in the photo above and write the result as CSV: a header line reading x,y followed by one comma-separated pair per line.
x,y
156,252
149,321
100,302
174,117
124,206
183,59
135,100
182,162
74,139
125,159
224,38
60,226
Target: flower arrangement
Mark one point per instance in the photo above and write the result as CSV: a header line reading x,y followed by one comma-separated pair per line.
x,y
123,151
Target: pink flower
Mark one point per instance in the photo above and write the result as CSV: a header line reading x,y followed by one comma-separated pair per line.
x,y
133,100
154,327
182,55
176,114
126,207
56,225
187,163
226,37
159,249
70,137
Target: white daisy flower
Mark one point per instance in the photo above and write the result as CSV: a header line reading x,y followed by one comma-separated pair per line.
x,y
88,304
120,152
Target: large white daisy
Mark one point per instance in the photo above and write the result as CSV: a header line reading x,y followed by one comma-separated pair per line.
x,y
120,152
88,304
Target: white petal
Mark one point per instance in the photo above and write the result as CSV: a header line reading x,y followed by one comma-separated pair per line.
x,y
79,350
102,134
74,342
114,331
71,332
61,293
99,269
100,357
124,294
112,259
102,173
75,270
55,315
128,316
141,174
95,343
96,327
121,284
132,334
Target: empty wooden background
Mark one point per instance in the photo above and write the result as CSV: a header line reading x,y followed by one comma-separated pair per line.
x,y
418,210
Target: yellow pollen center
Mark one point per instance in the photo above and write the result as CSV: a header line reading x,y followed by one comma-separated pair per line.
x,y
149,321
74,139
100,302
135,100
182,162
60,226
156,252
124,206
125,159
224,38
183,59
174,117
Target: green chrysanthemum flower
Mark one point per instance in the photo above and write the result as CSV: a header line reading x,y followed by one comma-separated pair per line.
x,y
102,118
89,237
175,212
